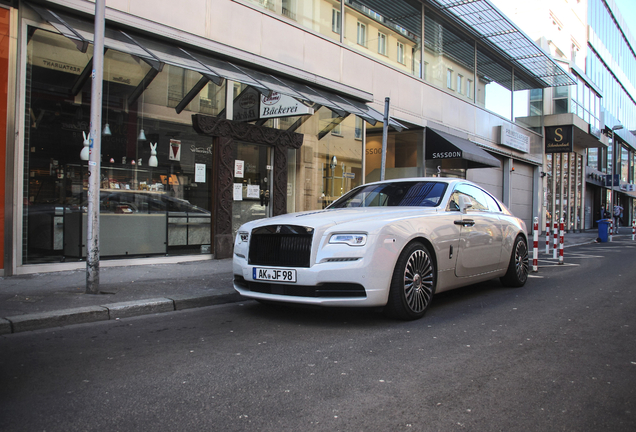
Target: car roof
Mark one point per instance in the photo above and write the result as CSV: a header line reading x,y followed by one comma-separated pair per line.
x,y
448,180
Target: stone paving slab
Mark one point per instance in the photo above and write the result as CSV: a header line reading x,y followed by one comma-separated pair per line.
x,y
139,307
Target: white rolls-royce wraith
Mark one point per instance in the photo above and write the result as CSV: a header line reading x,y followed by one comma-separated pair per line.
x,y
392,244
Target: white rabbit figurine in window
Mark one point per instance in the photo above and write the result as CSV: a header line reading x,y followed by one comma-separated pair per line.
x,y
153,162
85,153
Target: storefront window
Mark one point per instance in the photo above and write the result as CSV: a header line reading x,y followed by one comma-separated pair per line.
x,y
404,156
327,165
624,165
157,208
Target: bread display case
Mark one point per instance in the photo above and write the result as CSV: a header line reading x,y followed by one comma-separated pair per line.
x,y
141,213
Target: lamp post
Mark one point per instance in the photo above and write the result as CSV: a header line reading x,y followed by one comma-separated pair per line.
x,y
92,230
614,128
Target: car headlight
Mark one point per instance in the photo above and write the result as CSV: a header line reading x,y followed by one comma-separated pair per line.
x,y
243,236
349,239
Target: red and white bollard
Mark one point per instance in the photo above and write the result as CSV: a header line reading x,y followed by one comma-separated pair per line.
x,y
561,231
535,248
611,229
547,237
555,230
634,229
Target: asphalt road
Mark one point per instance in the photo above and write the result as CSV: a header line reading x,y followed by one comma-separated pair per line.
x,y
558,355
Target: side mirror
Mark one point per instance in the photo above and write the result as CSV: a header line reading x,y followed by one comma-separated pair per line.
x,y
464,203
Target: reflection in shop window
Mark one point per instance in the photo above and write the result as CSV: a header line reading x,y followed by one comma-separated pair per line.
x,y
321,179
445,48
337,128
358,128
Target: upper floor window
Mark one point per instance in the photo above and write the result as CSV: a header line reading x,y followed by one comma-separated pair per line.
x,y
459,83
362,34
449,78
400,53
469,88
335,21
289,9
382,43
560,100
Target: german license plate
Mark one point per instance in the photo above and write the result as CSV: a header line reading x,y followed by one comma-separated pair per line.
x,y
274,274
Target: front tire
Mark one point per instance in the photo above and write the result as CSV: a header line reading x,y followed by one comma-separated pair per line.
x,y
413,283
517,273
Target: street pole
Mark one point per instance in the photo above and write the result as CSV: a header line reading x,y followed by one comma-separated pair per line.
x,y
611,207
614,129
92,230
385,136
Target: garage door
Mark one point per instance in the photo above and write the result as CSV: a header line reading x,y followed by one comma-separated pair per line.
x,y
521,192
490,179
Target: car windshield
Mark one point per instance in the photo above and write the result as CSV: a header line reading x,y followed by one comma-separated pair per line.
x,y
408,193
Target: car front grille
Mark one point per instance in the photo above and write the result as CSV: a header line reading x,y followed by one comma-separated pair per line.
x,y
281,246
329,289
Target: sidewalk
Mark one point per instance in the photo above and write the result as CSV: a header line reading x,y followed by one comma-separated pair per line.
x,y
55,299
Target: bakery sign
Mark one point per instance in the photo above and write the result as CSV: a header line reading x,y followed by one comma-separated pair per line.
x,y
558,139
280,105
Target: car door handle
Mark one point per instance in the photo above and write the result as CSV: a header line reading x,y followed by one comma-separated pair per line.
x,y
465,222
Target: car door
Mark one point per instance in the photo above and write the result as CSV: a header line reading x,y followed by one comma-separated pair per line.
x,y
481,236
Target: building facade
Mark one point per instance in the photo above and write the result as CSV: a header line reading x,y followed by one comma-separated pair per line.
x,y
231,110
597,115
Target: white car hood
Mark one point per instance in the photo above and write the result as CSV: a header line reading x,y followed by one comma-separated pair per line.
x,y
329,217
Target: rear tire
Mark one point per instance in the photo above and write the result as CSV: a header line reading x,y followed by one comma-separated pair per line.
x,y
413,283
517,273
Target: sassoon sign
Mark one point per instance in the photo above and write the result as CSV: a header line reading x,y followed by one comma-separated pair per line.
x,y
279,105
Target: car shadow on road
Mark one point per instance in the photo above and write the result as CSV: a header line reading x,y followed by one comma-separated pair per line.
x,y
447,303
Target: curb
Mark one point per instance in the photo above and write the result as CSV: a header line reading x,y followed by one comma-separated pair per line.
x,y
113,311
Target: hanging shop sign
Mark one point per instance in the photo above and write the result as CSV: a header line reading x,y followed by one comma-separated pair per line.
x,y
174,153
510,138
246,105
280,105
558,139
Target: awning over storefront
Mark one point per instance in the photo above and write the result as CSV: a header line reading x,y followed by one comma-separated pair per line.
x,y
156,54
442,145
482,19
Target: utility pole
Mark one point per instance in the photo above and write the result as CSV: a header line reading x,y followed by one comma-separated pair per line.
x,y
94,162
614,129
385,136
